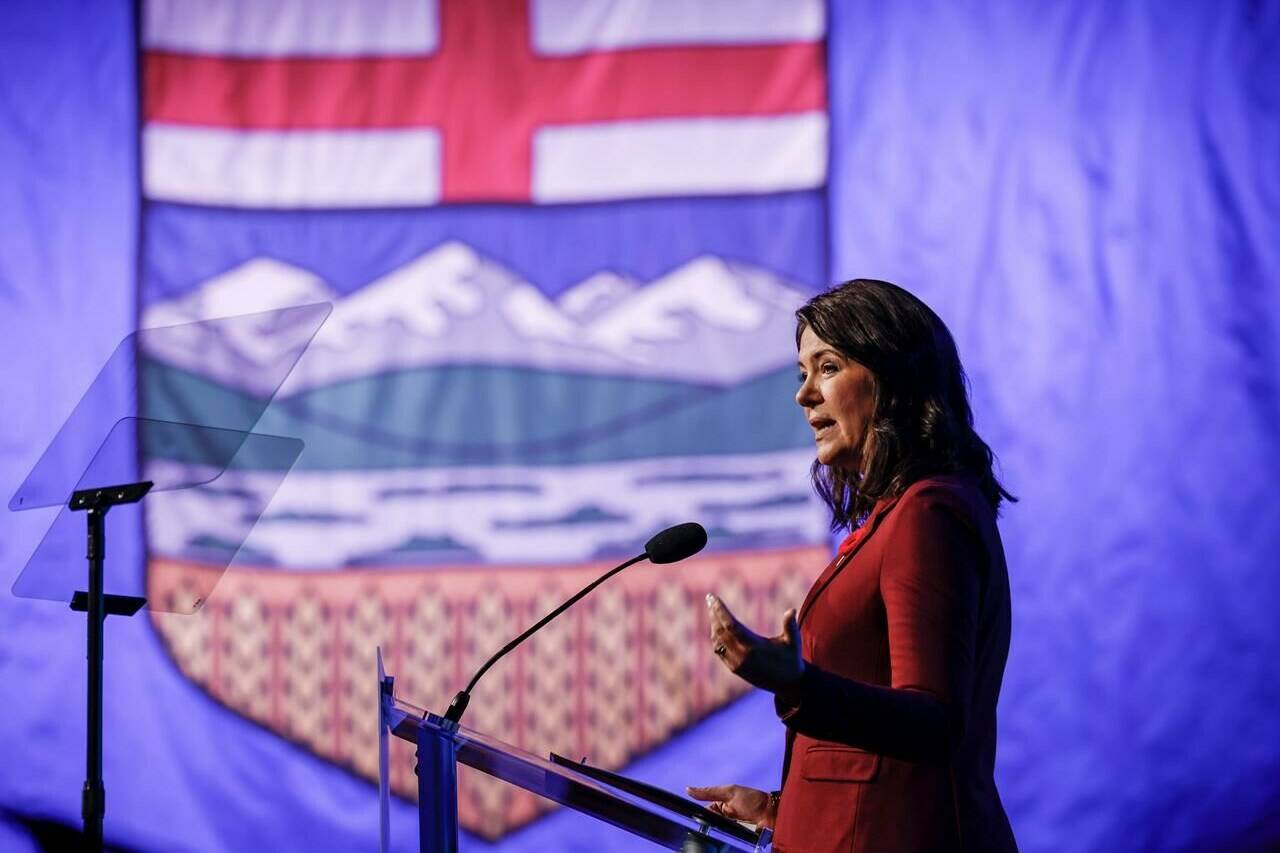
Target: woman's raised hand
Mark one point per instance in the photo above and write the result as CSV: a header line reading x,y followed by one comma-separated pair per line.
x,y
737,802
770,663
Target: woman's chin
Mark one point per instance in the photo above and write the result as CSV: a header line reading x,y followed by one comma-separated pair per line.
x,y
831,460
846,461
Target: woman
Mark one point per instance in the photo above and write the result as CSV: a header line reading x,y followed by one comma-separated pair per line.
x,y
887,677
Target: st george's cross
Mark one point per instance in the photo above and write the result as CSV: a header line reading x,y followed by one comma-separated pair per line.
x,y
482,102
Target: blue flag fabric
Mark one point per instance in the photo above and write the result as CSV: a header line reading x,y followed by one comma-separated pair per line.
x,y
562,320
1090,198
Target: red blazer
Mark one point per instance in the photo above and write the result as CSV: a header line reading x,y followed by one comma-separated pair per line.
x,y
891,734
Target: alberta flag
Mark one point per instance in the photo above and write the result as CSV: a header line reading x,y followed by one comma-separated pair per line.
x,y
563,242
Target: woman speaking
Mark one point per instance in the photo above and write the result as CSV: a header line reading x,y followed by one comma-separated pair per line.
x,y
887,677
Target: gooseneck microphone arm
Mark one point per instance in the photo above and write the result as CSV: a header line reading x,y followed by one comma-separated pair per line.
x,y
669,546
459,703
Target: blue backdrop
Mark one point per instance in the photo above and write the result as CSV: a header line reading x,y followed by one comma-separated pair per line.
x,y
1089,194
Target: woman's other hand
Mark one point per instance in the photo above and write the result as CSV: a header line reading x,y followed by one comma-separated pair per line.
x,y
770,663
737,802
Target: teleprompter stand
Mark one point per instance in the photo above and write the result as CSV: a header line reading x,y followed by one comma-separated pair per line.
x,y
169,418
97,605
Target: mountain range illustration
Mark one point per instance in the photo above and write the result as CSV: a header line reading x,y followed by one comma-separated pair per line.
x,y
709,321
454,414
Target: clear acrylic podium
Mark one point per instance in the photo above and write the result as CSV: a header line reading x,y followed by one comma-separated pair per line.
x,y
669,821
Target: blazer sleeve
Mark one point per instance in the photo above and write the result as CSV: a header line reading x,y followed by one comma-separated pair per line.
x,y
930,581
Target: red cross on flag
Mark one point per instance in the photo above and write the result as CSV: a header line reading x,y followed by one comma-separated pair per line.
x,y
413,103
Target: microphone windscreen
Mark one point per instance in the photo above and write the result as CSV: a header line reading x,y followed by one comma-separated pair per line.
x,y
675,543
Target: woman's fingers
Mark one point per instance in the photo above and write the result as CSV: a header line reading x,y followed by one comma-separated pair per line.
x,y
725,629
720,614
733,801
729,640
728,646
718,793
718,799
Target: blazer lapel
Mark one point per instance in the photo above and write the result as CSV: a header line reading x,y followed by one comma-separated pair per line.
x,y
837,565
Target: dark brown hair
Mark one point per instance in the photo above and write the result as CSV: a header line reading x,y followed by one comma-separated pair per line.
x,y
922,423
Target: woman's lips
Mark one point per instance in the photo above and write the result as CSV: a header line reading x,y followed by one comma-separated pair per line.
x,y
821,426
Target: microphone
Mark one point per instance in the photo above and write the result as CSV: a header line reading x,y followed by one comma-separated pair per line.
x,y
669,546
675,543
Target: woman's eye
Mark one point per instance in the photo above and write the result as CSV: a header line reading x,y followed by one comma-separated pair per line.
x,y
800,377
829,367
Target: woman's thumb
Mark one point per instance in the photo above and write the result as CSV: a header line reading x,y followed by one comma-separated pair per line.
x,y
792,627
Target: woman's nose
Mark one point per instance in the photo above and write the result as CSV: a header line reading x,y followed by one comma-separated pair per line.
x,y
806,393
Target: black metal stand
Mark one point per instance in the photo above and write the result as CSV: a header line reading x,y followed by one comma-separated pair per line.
x,y
97,604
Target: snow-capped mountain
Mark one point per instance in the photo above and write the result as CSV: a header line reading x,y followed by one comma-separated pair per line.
x,y
245,327
706,321
596,294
